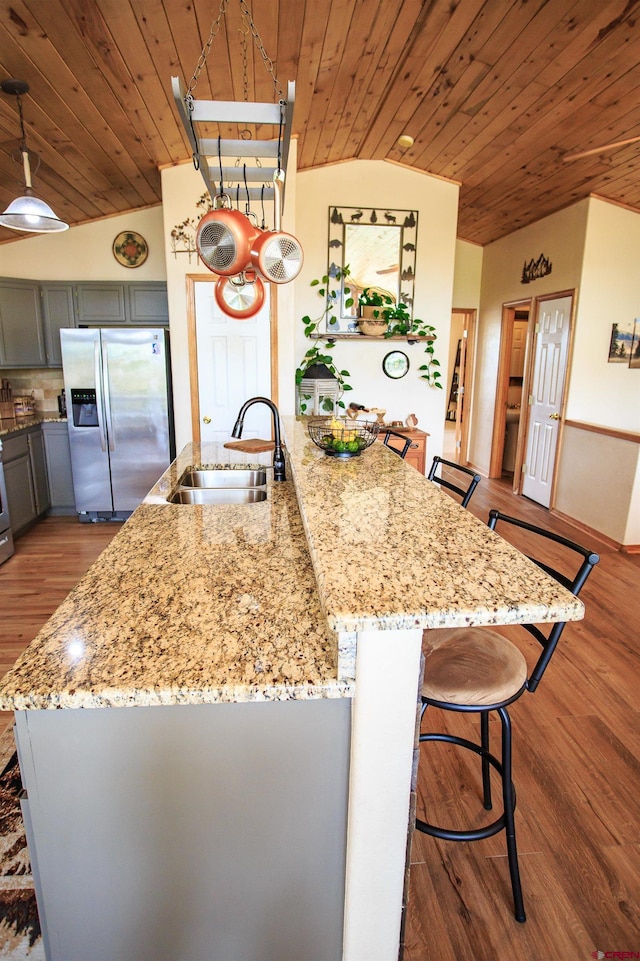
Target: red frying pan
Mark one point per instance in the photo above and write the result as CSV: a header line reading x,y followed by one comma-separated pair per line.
x,y
276,254
224,239
240,297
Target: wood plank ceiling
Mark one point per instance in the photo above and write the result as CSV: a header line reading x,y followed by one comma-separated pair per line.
x,y
494,92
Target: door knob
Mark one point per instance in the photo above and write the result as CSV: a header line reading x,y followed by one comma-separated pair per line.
x,y
554,416
206,420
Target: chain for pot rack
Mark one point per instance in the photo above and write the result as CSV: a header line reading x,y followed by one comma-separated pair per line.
x,y
268,155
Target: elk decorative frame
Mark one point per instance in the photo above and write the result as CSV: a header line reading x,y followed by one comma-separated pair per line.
x,y
379,247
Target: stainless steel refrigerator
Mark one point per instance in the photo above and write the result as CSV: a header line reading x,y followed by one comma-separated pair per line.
x,y
118,393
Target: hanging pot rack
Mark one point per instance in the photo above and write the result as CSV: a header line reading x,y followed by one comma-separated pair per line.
x,y
269,155
278,115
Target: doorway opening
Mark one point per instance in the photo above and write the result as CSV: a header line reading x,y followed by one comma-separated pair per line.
x,y
459,385
511,393
532,374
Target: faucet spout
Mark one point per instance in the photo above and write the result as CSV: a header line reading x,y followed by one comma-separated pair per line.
x,y
279,473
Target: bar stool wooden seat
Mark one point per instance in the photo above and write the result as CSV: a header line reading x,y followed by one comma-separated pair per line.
x,y
478,670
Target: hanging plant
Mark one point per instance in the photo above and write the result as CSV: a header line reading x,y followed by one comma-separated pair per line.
x,y
319,353
400,322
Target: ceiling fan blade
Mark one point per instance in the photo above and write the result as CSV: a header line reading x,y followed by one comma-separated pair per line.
x,y
594,150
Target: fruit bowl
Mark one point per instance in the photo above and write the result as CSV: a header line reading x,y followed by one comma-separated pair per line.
x,y
339,439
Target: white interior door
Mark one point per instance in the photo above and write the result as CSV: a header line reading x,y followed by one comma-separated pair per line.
x,y
234,363
550,365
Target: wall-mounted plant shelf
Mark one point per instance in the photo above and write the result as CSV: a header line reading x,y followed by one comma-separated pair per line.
x,y
404,337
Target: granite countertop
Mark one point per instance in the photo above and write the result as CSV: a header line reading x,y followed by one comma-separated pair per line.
x,y
196,604
390,549
187,605
11,425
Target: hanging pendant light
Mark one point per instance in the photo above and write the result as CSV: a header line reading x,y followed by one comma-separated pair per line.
x,y
28,212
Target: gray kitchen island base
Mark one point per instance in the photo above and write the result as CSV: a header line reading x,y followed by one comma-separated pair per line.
x,y
211,832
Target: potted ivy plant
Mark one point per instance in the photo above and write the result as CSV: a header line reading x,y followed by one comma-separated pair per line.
x,y
400,322
373,305
318,363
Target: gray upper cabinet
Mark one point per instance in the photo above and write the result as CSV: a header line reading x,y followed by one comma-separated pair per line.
x,y
32,314
57,312
148,304
21,333
101,304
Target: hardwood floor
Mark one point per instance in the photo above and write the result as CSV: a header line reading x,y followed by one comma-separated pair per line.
x,y
577,775
576,763
49,561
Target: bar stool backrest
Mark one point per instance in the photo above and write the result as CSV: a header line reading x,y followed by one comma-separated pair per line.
x,y
399,449
573,582
466,482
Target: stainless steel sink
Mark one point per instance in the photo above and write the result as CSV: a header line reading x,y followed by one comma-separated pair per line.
x,y
224,478
218,495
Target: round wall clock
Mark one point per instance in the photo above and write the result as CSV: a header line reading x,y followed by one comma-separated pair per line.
x,y
130,249
395,364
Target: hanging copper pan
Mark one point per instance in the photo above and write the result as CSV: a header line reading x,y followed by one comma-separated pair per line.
x,y
240,297
276,254
224,239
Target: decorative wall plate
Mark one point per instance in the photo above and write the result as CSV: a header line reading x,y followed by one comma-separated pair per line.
x,y
130,249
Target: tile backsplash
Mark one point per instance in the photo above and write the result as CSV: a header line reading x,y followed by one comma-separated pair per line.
x,y
45,385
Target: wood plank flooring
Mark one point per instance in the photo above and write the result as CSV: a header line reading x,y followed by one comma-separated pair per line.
x,y
577,776
577,766
49,560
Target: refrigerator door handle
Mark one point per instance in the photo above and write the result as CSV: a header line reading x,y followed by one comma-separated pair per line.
x,y
107,397
99,399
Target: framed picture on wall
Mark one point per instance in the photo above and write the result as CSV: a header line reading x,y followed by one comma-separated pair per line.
x,y
620,343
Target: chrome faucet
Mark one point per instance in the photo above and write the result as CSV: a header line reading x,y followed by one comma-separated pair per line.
x,y
278,454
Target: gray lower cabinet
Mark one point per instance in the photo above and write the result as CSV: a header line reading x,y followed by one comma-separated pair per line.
x,y
58,454
25,473
21,333
187,832
57,312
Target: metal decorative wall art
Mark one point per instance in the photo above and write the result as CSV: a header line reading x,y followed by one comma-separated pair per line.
x,y
536,269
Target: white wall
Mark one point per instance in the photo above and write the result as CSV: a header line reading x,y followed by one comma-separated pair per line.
x,y
85,252
467,275
592,248
602,393
561,238
376,184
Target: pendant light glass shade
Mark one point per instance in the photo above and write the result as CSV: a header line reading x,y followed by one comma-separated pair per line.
x,y
28,212
31,214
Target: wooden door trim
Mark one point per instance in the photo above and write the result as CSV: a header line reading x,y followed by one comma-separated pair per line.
x,y
470,315
192,347
502,383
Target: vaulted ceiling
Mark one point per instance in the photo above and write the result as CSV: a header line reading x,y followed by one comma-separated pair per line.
x,y
495,93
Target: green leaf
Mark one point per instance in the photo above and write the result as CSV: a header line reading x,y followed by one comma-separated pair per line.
x,y
314,283
347,387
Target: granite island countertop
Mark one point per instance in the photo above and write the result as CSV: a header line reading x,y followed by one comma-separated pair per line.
x,y
188,604
196,604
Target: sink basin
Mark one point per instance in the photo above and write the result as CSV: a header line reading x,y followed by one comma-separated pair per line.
x,y
224,478
218,495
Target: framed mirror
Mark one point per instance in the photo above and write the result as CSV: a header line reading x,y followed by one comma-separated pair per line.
x,y
395,364
379,245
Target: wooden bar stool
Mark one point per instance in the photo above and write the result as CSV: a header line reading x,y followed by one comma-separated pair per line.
x,y
477,670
